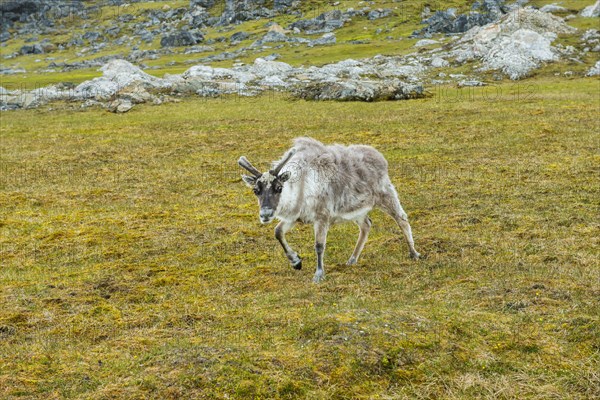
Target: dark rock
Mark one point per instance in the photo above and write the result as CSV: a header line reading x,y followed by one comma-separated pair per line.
x,y
239,36
283,4
202,3
326,22
4,36
33,49
113,31
181,38
326,39
448,22
91,36
76,41
379,13
237,11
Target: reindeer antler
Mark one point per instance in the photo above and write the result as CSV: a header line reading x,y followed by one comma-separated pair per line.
x,y
244,163
275,171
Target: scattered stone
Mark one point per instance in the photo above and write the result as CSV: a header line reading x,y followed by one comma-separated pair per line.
x,y
11,71
239,37
470,83
379,13
272,37
181,38
198,49
91,36
202,3
438,62
326,39
120,106
32,49
354,90
326,22
272,57
425,42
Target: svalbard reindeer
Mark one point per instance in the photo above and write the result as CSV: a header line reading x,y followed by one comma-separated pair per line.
x,y
323,185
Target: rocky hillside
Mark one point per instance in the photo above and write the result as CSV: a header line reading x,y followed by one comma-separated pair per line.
x,y
154,51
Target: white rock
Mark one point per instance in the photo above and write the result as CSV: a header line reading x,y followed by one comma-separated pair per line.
x,y
516,44
595,70
550,8
425,42
272,81
519,53
591,11
439,62
264,68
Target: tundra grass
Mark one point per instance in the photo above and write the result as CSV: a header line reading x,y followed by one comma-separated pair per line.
x,y
133,264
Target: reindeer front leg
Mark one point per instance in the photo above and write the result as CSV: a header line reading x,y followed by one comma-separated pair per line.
x,y
280,230
321,229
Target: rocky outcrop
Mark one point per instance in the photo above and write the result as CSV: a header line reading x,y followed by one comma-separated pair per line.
x,y
449,22
515,45
355,90
323,23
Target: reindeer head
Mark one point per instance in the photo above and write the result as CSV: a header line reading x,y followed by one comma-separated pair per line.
x,y
267,186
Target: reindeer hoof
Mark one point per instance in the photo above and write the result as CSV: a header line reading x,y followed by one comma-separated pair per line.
x,y
415,255
351,261
298,265
318,278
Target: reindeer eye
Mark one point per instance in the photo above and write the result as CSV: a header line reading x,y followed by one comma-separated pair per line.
x,y
256,190
278,188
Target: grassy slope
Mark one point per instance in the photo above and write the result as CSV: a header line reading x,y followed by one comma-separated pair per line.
x,y
133,264
405,20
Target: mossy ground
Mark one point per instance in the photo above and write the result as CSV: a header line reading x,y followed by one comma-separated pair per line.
x,y
134,266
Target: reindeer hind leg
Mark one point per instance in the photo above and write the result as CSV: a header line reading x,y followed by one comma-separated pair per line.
x,y
391,205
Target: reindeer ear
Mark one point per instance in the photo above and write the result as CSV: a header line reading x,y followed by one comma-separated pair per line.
x,y
249,180
284,177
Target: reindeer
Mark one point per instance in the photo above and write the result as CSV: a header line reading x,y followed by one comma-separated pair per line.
x,y
323,185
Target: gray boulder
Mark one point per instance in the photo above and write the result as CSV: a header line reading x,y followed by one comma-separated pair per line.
x,y
120,106
425,42
32,49
181,38
326,39
237,11
355,90
117,74
263,68
239,37
449,22
325,22
379,13
202,3
92,36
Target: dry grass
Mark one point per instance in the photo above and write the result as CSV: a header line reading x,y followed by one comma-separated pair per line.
x,y
134,266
